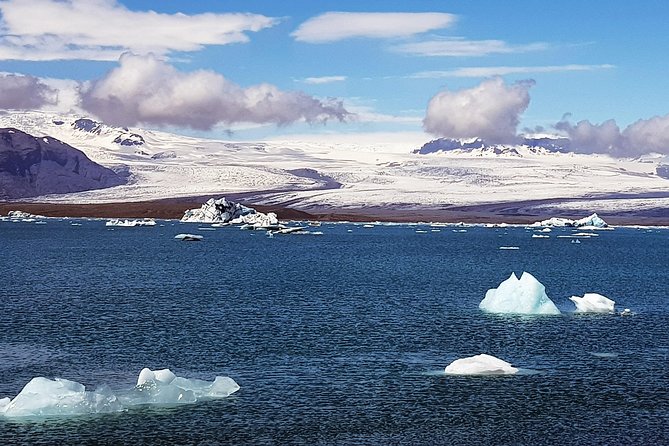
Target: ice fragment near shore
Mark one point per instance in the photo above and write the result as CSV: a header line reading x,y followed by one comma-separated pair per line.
x,y
60,397
593,303
480,365
519,296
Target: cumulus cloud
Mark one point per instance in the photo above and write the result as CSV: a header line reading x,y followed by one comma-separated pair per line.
x,y
503,70
490,111
104,29
25,92
334,26
144,89
643,136
459,47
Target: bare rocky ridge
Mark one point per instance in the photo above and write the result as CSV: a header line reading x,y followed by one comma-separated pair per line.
x,y
31,166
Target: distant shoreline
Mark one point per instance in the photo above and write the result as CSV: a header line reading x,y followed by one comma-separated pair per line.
x,y
173,208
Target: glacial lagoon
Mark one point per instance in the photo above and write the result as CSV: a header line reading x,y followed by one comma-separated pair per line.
x,y
339,338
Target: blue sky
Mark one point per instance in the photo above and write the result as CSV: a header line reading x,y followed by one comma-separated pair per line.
x,y
595,60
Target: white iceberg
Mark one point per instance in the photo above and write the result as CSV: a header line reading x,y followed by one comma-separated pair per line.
x,y
591,221
43,397
480,365
519,296
593,303
131,223
223,211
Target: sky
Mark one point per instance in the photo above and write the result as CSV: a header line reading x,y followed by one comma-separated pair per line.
x,y
592,71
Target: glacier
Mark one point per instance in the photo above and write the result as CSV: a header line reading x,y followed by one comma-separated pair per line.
x,y
519,296
43,397
480,365
593,303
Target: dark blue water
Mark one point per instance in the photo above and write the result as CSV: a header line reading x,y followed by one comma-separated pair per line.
x,y
339,338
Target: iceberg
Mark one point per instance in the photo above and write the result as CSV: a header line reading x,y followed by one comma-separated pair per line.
x,y
480,365
131,223
43,397
591,221
519,296
593,303
223,211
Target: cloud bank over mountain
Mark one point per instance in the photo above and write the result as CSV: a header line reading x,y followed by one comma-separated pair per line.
x,y
640,137
24,92
147,90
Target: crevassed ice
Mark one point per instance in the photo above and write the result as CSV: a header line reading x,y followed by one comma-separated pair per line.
x,y
480,365
593,303
61,397
519,296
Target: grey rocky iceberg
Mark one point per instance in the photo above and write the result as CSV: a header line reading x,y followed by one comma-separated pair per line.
x,y
31,166
223,211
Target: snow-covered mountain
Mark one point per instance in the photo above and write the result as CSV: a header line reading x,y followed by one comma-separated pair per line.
x,y
31,166
479,147
309,175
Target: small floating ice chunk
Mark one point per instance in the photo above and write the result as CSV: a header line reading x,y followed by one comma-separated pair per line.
x,y
480,365
509,248
540,235
626,312
593,303
164,387
188,237
519,296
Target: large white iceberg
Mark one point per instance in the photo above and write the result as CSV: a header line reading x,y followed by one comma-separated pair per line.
x,y
593,303
61,397
223,211
480,365
45,397
519,296
592,221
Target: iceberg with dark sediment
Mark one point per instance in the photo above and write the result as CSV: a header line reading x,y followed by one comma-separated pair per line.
x,y
519,296
43,397
223,211
593,303
480,365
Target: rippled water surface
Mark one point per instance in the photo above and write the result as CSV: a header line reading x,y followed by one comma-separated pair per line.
x,y
340,338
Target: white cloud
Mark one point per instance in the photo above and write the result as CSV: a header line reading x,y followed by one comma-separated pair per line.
x,y
490,111
144,89
18,91
458,47
502,71
323,80
643,136
104,29
334,26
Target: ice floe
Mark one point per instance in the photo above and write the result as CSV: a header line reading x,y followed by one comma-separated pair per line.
x,y
131,223
593,303
480,365
519,296
43,397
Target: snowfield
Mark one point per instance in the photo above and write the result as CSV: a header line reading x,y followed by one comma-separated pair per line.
x,y
310,174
